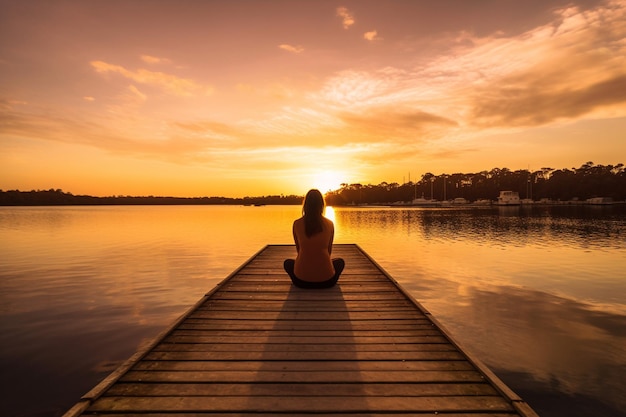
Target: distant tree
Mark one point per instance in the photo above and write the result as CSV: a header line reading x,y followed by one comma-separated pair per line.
x,y
589,180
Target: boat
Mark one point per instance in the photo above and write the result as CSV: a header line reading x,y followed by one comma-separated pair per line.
x,y
482,202
508,198
422,202
600,201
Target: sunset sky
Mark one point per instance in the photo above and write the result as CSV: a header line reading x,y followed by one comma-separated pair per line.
x,y
257,97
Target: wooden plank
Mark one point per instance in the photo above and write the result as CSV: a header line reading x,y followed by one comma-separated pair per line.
x,y
257,345
310,340
313,390
321,355
323,306
336,325
281,296
321,377
286,347
306,333
277,404
302,365
306,315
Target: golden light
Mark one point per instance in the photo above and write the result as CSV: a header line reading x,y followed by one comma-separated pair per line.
x,y
329,213
328,180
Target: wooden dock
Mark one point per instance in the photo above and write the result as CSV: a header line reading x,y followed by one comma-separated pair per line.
x,y
258,345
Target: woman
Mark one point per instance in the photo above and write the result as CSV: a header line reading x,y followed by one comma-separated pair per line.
x,y
313,234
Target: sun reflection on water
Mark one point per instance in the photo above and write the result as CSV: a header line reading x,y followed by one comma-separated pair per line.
x,y
330,214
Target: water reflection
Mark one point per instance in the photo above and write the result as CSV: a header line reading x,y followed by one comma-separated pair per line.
x,y
502,224
537,293
538,296
557,341
330,213
82,287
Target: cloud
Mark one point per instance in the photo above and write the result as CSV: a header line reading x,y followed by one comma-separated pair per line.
x,y
385,87
532,107
390,119
346,16
300,123
398,124
149,59
290,48
371,36
117,136
128,102
171,83
89,98
133,94
572,68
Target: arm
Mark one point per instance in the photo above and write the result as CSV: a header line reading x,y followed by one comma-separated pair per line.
x,y
332,236
295,237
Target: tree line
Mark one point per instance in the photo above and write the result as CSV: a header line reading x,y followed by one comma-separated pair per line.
x,y
58,197
590,180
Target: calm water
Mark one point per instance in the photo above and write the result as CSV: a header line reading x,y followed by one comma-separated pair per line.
x,y
538,294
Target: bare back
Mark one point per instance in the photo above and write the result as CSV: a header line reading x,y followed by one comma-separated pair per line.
x,y
313,262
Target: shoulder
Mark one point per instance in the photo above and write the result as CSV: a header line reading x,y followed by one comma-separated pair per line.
x,y
298,223
328,223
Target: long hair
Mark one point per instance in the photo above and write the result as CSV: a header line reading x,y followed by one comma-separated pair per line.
x,y
312,211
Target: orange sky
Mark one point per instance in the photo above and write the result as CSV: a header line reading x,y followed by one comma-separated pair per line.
x,y
235,98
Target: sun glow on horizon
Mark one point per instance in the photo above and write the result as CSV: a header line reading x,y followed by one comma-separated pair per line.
x,y
328,180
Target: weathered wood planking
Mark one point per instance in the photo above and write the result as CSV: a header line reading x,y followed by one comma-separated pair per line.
x,y
257,345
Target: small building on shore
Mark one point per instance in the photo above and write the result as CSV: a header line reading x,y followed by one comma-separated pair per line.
x,y
508,198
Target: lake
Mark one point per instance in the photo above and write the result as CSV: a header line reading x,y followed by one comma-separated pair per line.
x,y
538,294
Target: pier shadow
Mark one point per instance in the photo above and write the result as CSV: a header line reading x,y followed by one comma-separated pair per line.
x,y
309,361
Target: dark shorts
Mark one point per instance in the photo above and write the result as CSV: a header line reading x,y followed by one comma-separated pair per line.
x,y
338,264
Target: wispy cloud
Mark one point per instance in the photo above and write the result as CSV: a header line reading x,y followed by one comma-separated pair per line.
x,y
300,122
362,89
572,68
149,59
566,70
171,83
133,94
371,36
346,17
291,48
182,144
389,121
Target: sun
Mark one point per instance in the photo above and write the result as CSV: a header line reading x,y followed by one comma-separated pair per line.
x,y
328,180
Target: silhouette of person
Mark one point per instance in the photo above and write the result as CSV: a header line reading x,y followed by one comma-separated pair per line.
x,y
313,234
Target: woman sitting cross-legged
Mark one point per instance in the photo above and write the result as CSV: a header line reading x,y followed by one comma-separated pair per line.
x,y
313,234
